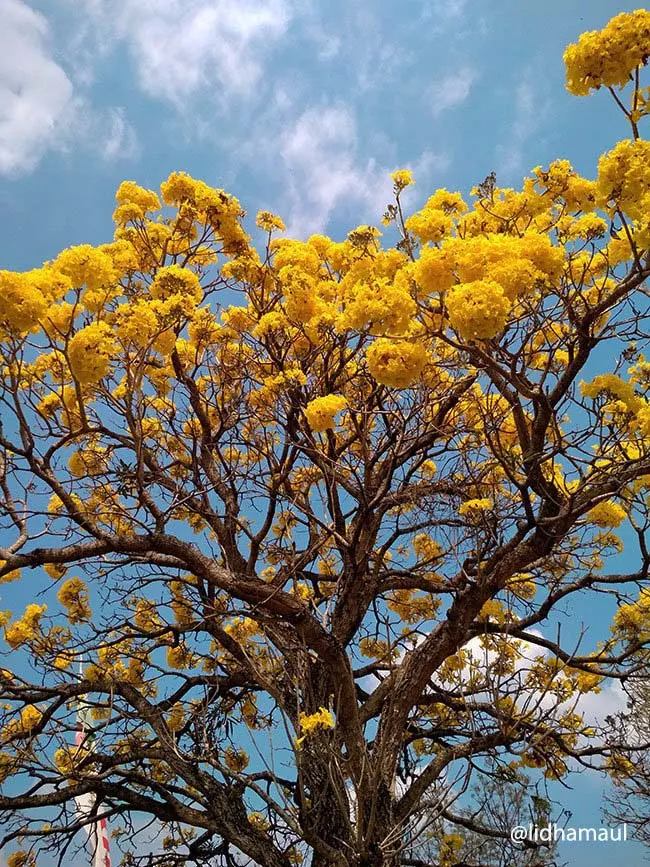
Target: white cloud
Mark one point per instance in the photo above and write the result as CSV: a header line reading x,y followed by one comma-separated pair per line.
x,y
36,96
612,699
322,171
116,137
452,90
182,46
444,10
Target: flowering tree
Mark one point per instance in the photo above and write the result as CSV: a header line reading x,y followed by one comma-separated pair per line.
x,y
303,511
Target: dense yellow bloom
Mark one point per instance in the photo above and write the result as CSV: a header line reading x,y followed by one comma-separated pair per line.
x,y
309,723
426,548
434,269
26,628
475,507
382,303
86,266
268,221
175,280
90,351
320,411
140,201
607,514
478,309
402,178
396,363
613,384
624,178
236,760
608,56
73,595
22,304
30,716
8,577
137,322
177,187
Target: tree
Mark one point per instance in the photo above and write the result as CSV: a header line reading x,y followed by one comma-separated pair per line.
x,y
480,835
305,509
629,799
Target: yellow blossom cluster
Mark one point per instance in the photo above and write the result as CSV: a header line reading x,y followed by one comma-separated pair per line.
x,y
321,411
426,548
134,202
268,222
413,607
73,595
474,508
607,514
436,220
21,859
27,627
90,351
309,723
26,297
236,759
609,56
396,363
478,310
402,178
624,179
632,620
8,577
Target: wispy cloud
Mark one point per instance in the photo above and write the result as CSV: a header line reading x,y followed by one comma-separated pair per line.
x,y
36,96
116,137
444,11
452,90
181,47
323,171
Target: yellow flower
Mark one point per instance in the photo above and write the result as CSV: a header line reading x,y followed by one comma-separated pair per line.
x,y
236,760
73,595
8,577
130,193
27,627
258,821
175,280
396,363
425,548
624,178
473,508
55,570
478,309
268,221
90,351
30,717
609,56
402,178
320,411
309,723
176,718
86,266
607,514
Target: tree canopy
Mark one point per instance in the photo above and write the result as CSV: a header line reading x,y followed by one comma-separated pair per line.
x,y
304,510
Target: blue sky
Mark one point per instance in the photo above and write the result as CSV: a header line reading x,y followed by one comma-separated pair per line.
x,y
303,107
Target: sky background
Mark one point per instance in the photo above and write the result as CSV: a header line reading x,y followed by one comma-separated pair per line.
x,y
302,107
